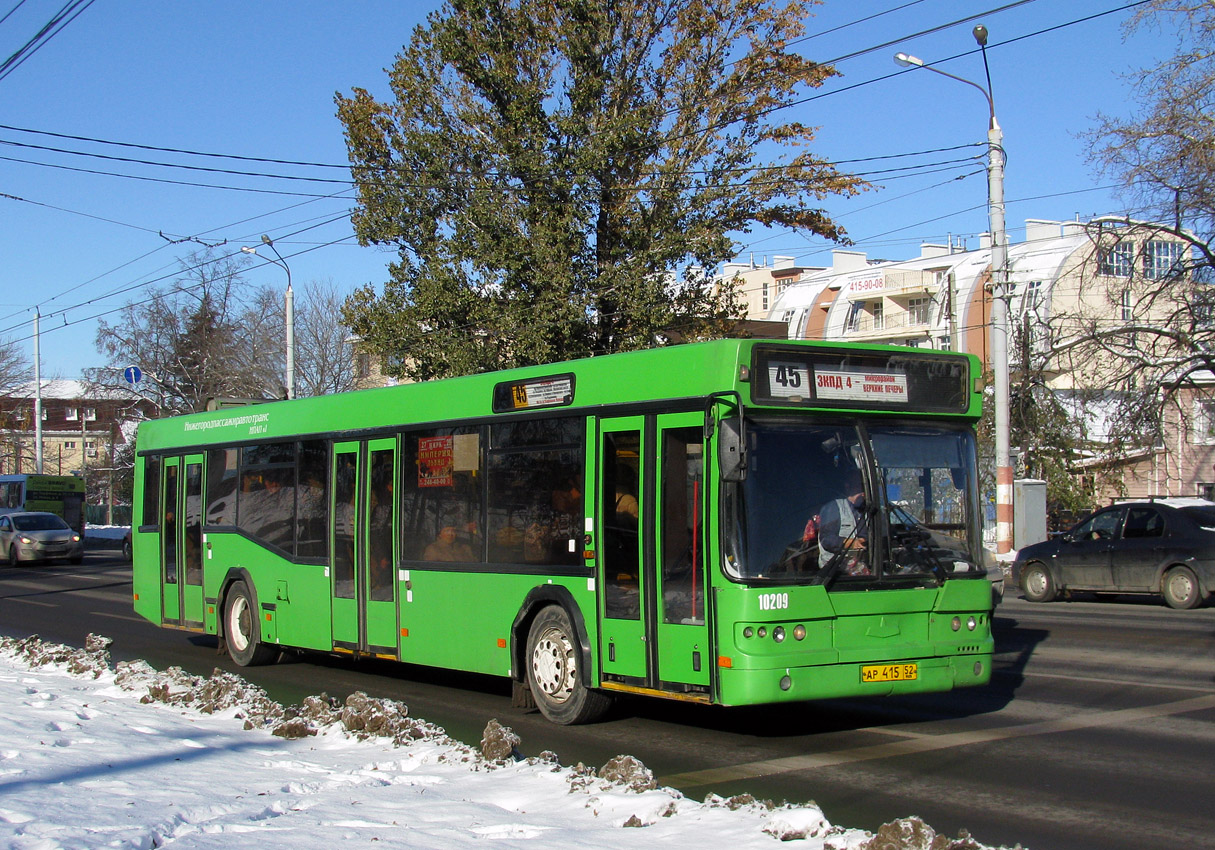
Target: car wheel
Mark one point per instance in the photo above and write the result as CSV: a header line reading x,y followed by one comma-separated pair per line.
x,y
13,557
242,631
1037,584
126,549
1180,588
553,674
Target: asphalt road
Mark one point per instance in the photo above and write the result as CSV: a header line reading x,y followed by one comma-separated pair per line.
x,y
1098,730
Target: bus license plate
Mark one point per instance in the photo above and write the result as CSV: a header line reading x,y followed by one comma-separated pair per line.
x,y
889,672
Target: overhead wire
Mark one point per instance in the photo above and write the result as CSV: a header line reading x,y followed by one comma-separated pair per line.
x,y
70,11
921,168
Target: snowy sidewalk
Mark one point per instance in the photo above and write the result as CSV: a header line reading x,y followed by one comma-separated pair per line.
x,y
135,758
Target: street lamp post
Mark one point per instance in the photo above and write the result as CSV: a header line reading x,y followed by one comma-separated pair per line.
x,y
289,307
1000,292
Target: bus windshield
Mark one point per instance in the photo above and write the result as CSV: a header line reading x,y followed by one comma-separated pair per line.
x,y
853,504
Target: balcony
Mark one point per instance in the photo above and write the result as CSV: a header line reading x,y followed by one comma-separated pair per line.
x,y
898,284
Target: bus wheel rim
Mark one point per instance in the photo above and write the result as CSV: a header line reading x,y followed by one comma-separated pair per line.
x,y
239,622
552,665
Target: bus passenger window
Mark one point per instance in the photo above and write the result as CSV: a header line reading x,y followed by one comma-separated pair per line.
x,y
221,487
312,504
440,501
151,491
536,510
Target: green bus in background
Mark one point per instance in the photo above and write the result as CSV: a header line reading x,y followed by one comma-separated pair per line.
x,y
735,522
62,495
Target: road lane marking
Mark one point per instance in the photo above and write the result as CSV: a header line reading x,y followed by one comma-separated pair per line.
x,y
126,617
1101,680
912,746
24,601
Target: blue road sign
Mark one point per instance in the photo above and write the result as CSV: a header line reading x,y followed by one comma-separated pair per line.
x,y
133,374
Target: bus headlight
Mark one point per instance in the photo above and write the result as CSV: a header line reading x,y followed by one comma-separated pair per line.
x,y
971,623
778,634
955,623
799,632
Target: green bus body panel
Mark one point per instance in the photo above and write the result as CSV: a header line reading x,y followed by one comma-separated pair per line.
x,y
463,620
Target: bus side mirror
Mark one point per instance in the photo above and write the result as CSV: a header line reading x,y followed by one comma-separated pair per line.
x,y
731,450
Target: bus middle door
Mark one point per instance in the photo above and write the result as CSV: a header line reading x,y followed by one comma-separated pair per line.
x,y
363,566
181,520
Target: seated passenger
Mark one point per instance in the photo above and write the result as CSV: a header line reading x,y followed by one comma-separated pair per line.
x,y
447,548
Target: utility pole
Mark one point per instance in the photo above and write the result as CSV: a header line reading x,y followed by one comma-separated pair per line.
x,y
37,397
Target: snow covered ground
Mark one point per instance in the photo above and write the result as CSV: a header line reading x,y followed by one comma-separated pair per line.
x,y
130,757
106,532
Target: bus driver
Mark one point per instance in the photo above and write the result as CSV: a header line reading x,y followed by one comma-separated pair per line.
x,y
844,528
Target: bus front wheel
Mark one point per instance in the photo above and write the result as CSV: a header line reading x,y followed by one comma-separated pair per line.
x,y
242,632
553,675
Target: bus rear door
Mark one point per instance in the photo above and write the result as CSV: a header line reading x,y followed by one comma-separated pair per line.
x,y
181,541
363,568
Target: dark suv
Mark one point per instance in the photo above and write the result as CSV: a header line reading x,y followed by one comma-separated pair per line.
x,y
1164,546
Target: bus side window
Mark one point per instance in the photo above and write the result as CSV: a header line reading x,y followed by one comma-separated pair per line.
x,y
151,491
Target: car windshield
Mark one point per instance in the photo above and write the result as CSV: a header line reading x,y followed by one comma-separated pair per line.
x,y
38,522
821,503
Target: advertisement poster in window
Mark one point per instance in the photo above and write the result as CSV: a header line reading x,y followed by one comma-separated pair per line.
x,y
435,459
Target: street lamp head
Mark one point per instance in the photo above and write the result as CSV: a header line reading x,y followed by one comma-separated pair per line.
x,y
266,239
980,34
247,250
906,60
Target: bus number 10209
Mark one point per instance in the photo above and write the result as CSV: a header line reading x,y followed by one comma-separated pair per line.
x,y
773,601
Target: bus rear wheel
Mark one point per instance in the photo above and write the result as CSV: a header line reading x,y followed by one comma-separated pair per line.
x,y
553,675
242,632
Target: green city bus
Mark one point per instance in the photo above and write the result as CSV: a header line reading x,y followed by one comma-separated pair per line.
x,y
656,522
58,494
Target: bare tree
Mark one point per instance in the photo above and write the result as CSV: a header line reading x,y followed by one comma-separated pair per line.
x,y
323,360
209,334
1147,326
15,369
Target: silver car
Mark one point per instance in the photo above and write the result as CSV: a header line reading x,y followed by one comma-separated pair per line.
x,y
37,536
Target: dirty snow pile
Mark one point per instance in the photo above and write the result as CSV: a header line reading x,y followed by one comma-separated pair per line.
x,y
93,755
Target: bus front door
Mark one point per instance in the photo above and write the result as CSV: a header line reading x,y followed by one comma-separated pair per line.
x,y
364,552
654,631
181,549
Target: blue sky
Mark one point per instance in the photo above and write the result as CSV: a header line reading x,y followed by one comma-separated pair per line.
x,y
258,79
